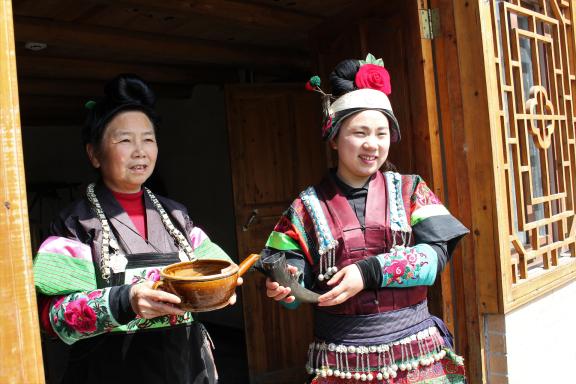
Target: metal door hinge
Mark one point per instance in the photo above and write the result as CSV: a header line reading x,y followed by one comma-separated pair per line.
x,y
429,23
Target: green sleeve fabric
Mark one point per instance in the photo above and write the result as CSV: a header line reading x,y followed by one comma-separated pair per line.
x,y
281,242
209,250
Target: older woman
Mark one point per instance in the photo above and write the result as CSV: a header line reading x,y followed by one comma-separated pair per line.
x,y
370,243
95,274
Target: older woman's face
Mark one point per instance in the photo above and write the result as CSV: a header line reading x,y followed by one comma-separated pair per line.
x,y
127,155
362,144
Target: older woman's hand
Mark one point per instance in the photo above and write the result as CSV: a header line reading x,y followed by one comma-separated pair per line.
x,y
149,303
278,292
349,282
232,300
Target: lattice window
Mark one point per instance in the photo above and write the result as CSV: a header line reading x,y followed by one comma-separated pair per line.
x,y
534,58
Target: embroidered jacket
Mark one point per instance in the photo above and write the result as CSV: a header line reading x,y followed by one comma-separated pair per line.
x,y
75,301
402,215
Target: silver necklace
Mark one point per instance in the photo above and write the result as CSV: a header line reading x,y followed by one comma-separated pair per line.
x,y
180,240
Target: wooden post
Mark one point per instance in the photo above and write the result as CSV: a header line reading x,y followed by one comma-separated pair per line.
x,y
20,349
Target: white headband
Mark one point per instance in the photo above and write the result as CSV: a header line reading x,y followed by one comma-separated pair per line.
x,y
365,98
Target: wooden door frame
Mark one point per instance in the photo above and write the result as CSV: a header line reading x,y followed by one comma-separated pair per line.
x,y
464,104
20,342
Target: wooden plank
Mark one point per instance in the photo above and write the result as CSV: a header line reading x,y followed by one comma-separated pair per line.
x,y
85,69
28,86
478,108
244,14
452,83
20,341
165,21
67,10
467,74
349,18
450,109
545,282
116,42
424,129
322,8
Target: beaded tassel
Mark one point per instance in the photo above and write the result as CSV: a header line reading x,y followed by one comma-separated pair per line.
x,y
326,242
419,350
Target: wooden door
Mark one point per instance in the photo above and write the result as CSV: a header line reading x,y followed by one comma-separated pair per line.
x,y
276,151
393,33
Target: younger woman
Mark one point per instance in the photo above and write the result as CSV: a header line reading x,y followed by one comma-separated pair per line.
x,y
371,243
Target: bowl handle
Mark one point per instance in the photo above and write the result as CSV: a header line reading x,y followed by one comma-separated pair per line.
x,y
247,263
160,286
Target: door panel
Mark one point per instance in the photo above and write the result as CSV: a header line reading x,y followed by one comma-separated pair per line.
x,y
276,152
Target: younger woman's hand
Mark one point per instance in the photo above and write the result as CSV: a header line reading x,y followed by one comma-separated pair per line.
x,y
349,280
278,292
149,303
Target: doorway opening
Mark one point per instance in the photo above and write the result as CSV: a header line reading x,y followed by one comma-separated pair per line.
x,y
214,65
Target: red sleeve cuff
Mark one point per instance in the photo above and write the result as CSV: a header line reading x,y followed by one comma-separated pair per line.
x,y
44,305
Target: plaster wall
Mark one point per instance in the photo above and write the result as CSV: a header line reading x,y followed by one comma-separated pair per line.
x,y
535,342
540,339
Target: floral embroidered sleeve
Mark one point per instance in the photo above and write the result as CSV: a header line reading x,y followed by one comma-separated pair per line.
x,y
408,266
81,315
65,278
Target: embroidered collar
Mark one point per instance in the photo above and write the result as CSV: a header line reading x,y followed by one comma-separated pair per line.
x,y
106,234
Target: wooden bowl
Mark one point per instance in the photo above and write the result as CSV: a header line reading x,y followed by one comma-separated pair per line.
x,y
205,284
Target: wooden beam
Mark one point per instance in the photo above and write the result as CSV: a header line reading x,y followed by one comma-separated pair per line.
x,y
64,68
20,341
355,13
149,47
90,88
237,12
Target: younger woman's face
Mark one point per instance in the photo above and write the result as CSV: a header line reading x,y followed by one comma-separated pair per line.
x,y
362,143
127,154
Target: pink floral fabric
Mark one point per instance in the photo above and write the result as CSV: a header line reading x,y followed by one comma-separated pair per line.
x,y
65,246
153,274
80,316
197,236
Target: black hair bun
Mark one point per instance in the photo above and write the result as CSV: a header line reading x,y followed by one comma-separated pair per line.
x,y
342,78
129,89
125,92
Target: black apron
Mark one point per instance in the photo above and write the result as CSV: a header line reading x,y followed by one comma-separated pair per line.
x,y
176,355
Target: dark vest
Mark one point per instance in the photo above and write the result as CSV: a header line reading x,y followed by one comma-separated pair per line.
x,y
356,243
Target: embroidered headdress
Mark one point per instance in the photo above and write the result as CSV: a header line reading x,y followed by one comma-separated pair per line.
x,y
357,85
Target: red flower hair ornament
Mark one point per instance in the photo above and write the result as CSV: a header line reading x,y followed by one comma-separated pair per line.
x,y
371,88
373,75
